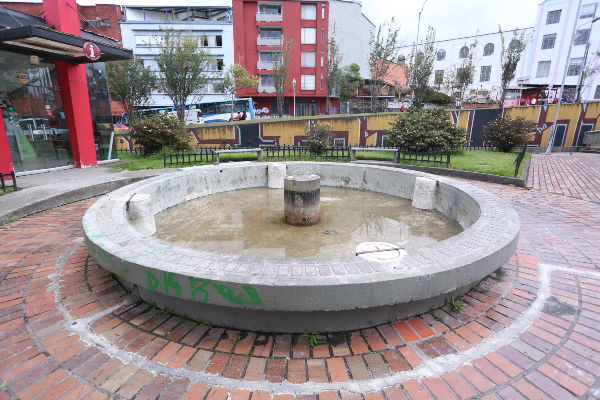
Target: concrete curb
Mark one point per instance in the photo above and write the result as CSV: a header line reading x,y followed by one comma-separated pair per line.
x,y
51,201
455,173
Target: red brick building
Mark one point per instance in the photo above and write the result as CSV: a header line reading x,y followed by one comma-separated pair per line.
x,y
258,31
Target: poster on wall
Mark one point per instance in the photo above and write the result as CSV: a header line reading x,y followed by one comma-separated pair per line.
x,y
23,77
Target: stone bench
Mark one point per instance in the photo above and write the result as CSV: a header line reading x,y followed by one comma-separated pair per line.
x,y
256,150
353,151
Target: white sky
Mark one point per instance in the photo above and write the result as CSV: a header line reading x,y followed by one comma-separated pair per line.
x,y
452,18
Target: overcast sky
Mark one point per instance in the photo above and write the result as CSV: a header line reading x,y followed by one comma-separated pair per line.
x,y
452,18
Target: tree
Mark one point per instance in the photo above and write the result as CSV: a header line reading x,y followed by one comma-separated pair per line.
x,y
420,66
509,58
333,70
183,65
423,129
433,96
465,73
351,80
451,79
506,133
235,80
281,71
130,85
588,74
385,46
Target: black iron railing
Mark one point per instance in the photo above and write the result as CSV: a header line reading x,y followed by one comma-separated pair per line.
x,y
203,156
431,156
136,150
519,160
4,177
284,152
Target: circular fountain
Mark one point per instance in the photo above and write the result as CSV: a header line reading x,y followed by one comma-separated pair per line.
x,y
257,291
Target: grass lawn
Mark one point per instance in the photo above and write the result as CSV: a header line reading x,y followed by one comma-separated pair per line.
x,y
7,191
485,161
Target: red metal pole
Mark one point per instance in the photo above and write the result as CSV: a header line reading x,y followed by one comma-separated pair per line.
x,y
6,164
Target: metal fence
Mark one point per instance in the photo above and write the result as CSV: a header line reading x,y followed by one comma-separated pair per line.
x,y
519,160
281,152
137,150
430,156
188,158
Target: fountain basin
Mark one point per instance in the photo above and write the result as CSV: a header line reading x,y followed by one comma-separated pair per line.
x,y
289,295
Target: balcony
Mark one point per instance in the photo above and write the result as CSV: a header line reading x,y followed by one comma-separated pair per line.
x,y
267,17
266,89
264,65
263,41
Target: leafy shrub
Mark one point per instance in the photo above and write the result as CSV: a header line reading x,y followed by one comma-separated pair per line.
x,y
506,133
435,97
319,135
159,131
424,129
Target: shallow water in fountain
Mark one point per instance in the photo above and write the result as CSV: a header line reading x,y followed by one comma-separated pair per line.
x,y
250,222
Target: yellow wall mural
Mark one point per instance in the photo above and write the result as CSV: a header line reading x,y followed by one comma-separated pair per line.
x,y
349,130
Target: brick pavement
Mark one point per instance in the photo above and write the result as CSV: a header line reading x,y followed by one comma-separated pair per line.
x,y
531,330
570,174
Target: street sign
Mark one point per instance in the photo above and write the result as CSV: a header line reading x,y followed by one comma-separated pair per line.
x,y
91,51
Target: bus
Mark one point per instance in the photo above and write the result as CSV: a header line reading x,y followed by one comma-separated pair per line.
x,y
210,111
220,111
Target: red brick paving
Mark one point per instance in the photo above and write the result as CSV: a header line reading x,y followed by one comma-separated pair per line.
x,y
557,356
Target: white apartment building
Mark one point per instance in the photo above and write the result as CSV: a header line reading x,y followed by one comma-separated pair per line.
x,y
353,32
214,21
486,85
547,60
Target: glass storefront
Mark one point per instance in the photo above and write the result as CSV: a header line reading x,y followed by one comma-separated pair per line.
x,y
33,115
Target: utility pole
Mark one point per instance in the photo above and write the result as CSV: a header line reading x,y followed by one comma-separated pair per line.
x,y
418,26
562,86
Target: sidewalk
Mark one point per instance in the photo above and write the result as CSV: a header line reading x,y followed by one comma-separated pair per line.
x,y
40,192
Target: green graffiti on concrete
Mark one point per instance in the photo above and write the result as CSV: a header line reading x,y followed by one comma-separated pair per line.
x,y
125,270
106,257
153,282
90,246
226,292
201,288
168,282
98,236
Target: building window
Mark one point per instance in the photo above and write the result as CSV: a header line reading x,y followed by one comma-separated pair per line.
x,y
548,41
488,50
321,81
401,59
96,23
268,56
269,8
441,55
439,76
270,33
597,94
322,59
217,65
543,69
464,52
323,11
309,36
308,59
267,80
553,17
575,66
583,36
588,11
308,12
323,35
485,73
307,82
219,41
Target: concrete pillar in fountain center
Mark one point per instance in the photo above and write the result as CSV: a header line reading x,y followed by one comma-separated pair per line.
x,y
73,83
302,199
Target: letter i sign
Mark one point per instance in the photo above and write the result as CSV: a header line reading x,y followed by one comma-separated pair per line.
x,y
91,51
